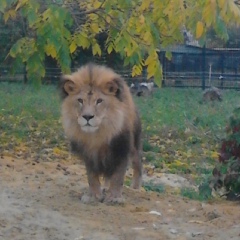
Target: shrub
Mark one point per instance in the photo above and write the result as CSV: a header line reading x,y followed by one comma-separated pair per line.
x,y
227,174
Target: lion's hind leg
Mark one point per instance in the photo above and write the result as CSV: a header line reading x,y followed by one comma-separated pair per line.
x,y
137,169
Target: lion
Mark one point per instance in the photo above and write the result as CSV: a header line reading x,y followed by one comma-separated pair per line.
x,y
102,123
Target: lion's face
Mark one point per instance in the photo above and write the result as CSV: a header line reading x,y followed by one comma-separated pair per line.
x,y
93,99
91,110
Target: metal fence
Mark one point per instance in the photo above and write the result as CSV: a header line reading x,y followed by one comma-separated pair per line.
x,y
192,66
189,66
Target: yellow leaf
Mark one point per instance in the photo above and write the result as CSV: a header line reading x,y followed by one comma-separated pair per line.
x,y
145,4
96,4
50,50
9,14
96,49
6,16
72,47
110,48
151,68
108,19
179,163
199,29
151,58
20,4
136,70
215,155
141,19
57,151
93,17
128,51
82,41
147,36
95,27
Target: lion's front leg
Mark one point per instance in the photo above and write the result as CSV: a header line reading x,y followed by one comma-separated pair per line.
x,y
114,193
94,193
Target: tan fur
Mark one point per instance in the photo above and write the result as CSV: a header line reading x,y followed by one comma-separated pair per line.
x,y
101,94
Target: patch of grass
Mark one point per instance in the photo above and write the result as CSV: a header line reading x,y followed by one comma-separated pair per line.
x,y
29,120
154,188
150,157
190,193
148,147
178,108
22,107
203,194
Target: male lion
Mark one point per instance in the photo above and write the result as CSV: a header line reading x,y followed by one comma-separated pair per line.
x,y
103,126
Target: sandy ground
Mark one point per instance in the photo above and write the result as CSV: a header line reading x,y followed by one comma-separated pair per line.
x,y
40,200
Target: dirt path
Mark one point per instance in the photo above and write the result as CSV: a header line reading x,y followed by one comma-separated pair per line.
x,y
41,201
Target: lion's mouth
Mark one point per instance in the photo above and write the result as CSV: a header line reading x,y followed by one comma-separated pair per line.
x,y
89,128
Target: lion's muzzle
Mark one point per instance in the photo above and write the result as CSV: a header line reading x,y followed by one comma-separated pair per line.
x,y
88,123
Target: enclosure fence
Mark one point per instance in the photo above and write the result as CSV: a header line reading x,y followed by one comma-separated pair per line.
x,y
190,66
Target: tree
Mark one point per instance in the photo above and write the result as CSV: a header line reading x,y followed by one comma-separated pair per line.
x,y
137,29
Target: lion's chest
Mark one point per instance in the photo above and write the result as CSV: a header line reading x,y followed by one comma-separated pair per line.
x,y
104,158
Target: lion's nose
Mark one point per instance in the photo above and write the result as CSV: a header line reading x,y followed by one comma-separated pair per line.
x,y
88,117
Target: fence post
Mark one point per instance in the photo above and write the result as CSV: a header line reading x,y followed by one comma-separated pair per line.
x,y
222,69
203,66
25,80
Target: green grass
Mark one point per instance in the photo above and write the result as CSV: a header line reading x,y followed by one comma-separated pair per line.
x,y
155,188
180,108
29,120
180,134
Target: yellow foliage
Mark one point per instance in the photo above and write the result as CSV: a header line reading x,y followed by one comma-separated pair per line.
x,y
50,50
214,155
20,4
73,47
108,19
141,19
94,27
152,24
82,41
180,163
96,4
150,59
9,14
96,50
145,5
57,151
136,70
199,29
109,48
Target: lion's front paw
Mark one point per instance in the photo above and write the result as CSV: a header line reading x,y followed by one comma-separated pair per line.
x,y
90,198
113,199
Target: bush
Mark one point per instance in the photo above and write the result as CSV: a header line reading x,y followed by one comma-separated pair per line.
x,y
227,174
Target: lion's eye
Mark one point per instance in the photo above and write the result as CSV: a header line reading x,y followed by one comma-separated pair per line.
x,y
80,101
99,100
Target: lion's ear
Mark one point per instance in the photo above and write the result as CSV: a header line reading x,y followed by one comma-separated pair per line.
x,y
115,87
68,86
